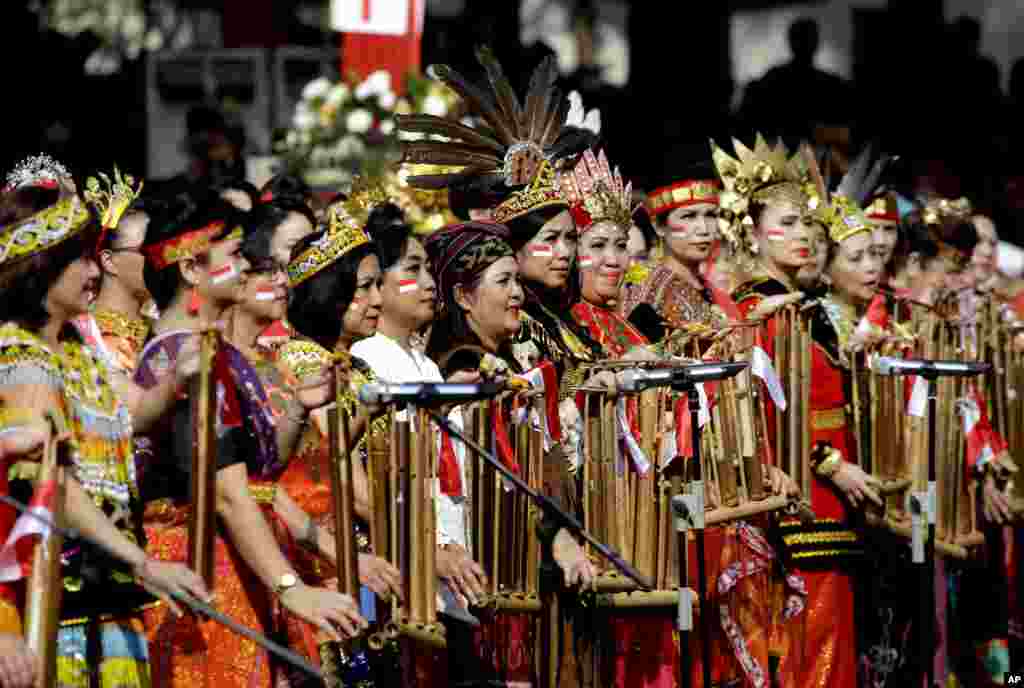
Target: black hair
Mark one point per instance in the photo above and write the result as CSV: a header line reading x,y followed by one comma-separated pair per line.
x,y
642,219
287,185
22,203
390,234
183,213
525,227
248,188
316,308
24,284
263,220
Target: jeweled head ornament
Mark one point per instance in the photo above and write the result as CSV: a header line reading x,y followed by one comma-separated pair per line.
x,y
683,193
884,208
44,230
40,171
839,213
519,146
596,194
763,174
346,224
111,196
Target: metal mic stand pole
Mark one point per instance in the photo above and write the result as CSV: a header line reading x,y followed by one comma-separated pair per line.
x,y
929,507
552,510
684,383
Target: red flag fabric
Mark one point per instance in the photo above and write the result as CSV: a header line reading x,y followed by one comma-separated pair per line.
x,y
448,473
501,440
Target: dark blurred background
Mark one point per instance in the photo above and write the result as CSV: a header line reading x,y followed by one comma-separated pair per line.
x,y
938,83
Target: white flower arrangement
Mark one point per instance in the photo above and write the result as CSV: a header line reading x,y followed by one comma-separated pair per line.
x,y
340,129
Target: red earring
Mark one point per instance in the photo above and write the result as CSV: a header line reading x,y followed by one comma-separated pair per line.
x,y
194,301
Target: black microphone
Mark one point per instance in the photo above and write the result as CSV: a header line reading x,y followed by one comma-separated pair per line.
x,y
427,393
637,380
889,365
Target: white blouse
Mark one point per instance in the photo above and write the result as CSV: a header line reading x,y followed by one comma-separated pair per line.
x,y
393,363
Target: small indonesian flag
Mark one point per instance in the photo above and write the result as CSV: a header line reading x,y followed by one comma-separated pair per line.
x,y
983,442
275,335
775,234
16,555
407,286
545,378
541,250
761,366
224,273
586,262
876,319
684,436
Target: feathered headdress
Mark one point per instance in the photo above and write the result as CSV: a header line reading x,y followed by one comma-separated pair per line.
x,y
839,213
595,193
519,146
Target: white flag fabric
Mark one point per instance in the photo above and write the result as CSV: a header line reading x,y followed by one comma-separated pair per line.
x,y
761,366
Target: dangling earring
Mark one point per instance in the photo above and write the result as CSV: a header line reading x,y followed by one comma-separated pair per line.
x,y
194,302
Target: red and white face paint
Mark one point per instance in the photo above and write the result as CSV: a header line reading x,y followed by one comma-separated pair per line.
x,y
407,286
604,256
547,258
266,293
586,262
224,273
541,250
689,232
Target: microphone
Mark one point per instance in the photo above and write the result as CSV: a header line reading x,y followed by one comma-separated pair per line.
x,y
889,365
634,380
426,393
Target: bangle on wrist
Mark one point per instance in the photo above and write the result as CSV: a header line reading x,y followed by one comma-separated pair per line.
x,y
308,541
832,462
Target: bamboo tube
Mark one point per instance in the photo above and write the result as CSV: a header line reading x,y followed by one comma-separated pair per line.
x,y
806,380
745,510
400,489
640,599
343,494
44,586
203,514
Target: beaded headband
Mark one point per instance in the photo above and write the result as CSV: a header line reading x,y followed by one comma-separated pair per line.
x,y
682,194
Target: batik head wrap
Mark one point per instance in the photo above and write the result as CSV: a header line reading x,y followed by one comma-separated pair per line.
x,y
460,254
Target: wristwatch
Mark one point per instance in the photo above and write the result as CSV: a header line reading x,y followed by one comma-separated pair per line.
x,y
286,582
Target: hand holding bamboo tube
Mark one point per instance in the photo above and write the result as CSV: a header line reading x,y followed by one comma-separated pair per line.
x,y
204,460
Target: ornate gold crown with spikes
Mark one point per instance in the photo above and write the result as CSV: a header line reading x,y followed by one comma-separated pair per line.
x,y
596,194
111,197
542,192
345,231
43,230
763,174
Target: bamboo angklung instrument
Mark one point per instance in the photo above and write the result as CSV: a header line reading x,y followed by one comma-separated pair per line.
x,y
343,491
44,586
202,516
402,480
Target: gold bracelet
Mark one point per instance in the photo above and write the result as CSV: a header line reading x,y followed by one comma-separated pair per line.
x,y
830,464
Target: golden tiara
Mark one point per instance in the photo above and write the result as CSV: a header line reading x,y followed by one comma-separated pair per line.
x,y
43,230
345,231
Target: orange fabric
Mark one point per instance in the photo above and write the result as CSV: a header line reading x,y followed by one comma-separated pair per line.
x,y
186,653
827,657
10,615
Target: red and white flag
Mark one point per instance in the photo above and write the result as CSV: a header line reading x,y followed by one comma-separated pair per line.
x,y
545,378
16,555
761,366
876,319
983,442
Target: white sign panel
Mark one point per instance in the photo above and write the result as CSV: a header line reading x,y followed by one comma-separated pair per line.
x,y
381,17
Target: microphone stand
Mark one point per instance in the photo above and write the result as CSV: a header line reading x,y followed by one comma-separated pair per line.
x,y
927,620
545,503
196,605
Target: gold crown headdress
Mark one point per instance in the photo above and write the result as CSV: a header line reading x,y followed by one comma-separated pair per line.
x,y
518,145
762,174
940,211
43,230
111,197
345,231
39,171
595,193
841,212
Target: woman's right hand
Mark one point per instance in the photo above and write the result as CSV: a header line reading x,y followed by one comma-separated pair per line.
x,y
380,576
464,575
995,505
17,663
326,609
856,485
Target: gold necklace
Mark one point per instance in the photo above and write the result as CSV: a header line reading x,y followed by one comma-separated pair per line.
x,y
135,330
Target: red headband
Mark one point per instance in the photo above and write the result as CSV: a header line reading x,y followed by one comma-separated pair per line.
x,y
682,194
187,245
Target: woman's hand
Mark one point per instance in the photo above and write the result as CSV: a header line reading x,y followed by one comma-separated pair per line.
x,y
464,575
856,485
995,505
17,663
780,482
326,609
572,559
380,576
606,379
161,578
464,377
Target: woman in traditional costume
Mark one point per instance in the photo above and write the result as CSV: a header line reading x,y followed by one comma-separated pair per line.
x,y
49,275
197,261
302,501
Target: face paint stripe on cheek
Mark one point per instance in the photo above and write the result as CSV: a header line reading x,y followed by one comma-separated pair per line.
x,y
266,294
223,273
541,251
407,286
586,262
775,234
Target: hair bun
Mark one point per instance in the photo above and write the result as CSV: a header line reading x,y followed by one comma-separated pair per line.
x,y
384,218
